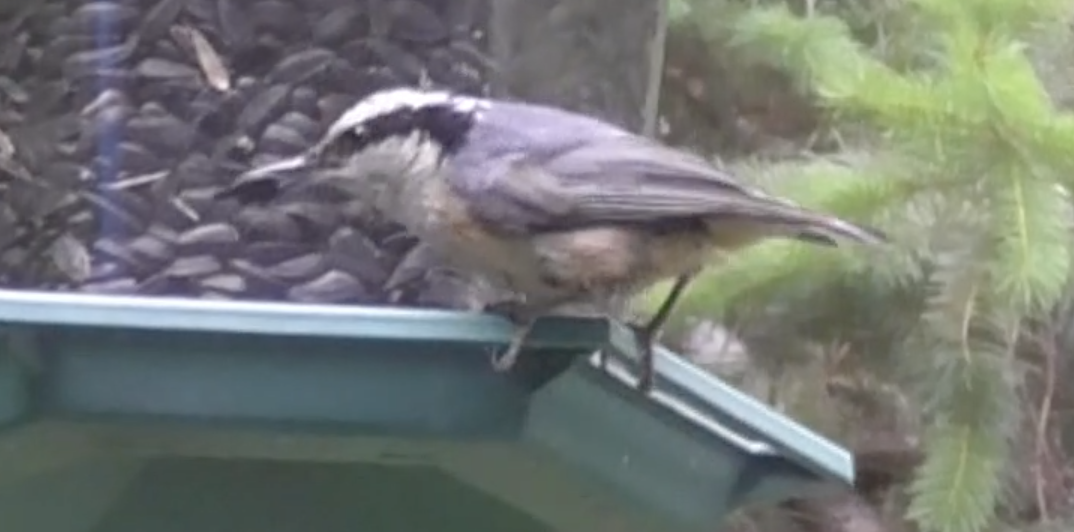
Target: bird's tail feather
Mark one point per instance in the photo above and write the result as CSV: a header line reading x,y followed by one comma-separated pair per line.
x,y
817,228
834,231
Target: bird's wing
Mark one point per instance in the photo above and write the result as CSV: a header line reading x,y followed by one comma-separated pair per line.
x,y
629,179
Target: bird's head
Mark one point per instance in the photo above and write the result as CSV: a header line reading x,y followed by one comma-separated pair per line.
x,y
382,134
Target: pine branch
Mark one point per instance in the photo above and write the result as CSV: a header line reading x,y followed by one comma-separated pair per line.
x,y
958,485
1013,18
1033,254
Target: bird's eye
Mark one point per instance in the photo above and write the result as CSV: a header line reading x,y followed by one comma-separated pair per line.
x,y
345,145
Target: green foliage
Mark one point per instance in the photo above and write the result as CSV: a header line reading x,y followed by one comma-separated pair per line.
x,y
968,166
959,485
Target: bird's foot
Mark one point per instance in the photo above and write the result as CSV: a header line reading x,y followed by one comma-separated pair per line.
x,y
513,310
506,360
643,339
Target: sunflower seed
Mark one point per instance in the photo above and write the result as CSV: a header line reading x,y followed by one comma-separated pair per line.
x,y
466,53
65,174
266,253
340,22
102,128
397,243
399,60
36,144
225,282
354,253
104,100
21,17
316,217
170,50
212,238
116,75
333,105
370,78
304,267
330,287
282,139
14,92
48,98
164,133
194,170
124,285
194,266
208,59
159,18
13,52
164,234
93,62
7,147
129,221
131,202
104,271
155,68
413,268
304,100
263,108
260,282
164,283
135,158
301,124
341,76
120,253
360,53
71,257
210,295
298,67
276,16
136,181
184,208
150,248
62,25
204,11
415,23
235,25
203,201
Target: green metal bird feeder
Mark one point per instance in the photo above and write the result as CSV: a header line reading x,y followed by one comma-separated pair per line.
x,y
126,414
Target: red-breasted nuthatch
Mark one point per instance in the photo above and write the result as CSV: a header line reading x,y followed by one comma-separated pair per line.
x,y
558,207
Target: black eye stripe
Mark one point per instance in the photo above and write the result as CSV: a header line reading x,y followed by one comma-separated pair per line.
x,y
343,145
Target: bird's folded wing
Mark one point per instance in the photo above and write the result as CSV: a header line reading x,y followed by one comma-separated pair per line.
x,y
624,180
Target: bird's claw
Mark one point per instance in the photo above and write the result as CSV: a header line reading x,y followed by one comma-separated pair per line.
x,y
503,362
643,339
506,360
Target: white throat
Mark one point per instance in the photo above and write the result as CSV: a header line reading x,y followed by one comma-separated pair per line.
x,y
392,172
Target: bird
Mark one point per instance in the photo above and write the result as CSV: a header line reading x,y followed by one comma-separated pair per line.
x,y
557,206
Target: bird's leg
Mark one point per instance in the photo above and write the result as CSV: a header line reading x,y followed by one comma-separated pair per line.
x,y
523,313
506,360
512,309
644,335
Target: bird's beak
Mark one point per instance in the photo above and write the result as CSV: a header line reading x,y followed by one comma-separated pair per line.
x,y
264,183
298,162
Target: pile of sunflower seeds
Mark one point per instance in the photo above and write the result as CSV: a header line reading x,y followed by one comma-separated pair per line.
x,y
120,120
